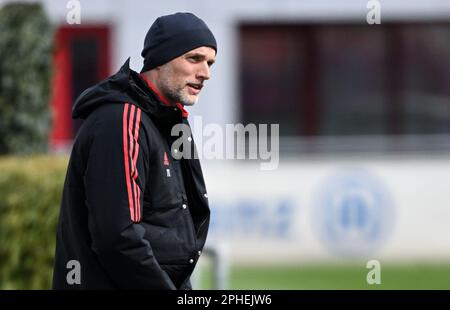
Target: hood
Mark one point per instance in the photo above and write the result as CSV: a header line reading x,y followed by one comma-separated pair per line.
x,y
124,86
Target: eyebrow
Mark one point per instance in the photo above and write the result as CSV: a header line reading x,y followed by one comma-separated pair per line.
x,y
202,56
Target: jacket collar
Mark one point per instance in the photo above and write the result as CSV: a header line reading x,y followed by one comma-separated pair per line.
x,y
163,99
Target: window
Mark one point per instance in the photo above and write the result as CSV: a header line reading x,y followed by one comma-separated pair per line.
x,y
81,59
347,80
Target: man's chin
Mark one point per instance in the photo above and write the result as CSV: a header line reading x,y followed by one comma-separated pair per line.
x,y
189,101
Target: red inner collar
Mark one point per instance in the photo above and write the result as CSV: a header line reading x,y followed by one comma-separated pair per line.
x,y
184,113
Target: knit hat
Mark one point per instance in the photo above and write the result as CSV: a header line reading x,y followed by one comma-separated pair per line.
x,y
173,35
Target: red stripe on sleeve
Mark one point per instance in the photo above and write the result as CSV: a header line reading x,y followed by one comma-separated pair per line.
x,y
130,133
135,174
126,160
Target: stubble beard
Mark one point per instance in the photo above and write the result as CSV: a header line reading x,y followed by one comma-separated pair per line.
x,y
176,94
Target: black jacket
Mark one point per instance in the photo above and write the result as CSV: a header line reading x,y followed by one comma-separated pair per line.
x,y
131,215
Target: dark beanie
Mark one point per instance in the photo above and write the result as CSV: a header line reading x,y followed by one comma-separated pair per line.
x,y
173,35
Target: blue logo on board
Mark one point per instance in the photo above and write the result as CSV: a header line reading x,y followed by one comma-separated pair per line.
x,y
353,213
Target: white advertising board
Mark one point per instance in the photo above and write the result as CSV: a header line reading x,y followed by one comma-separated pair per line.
x,y
310,210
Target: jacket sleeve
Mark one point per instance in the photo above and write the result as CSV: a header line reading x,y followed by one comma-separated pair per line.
x,y
114,180
186,285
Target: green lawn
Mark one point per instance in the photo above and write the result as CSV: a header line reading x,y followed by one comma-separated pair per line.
x,y
333,277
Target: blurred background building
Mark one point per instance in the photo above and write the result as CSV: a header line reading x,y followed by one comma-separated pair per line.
x,y
363,110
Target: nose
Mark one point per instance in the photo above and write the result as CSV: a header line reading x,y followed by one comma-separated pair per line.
x,y
203,72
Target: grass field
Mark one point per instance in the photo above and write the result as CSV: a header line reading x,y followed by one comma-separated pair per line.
x,y
335,277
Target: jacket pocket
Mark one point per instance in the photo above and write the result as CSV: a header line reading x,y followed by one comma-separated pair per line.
x,y
178,273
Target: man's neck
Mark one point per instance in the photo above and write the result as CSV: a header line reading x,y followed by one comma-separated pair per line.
x,y
150,79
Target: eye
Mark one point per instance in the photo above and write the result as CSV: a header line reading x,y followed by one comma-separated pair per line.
x,y
194,58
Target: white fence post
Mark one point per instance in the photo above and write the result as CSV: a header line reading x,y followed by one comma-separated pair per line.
x,y
219,265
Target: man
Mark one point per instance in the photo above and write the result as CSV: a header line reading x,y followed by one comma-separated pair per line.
x,y
132,215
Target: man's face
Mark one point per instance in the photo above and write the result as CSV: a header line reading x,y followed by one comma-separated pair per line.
x,y
182,79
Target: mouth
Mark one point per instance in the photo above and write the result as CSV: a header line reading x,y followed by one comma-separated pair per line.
x,y
195,88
